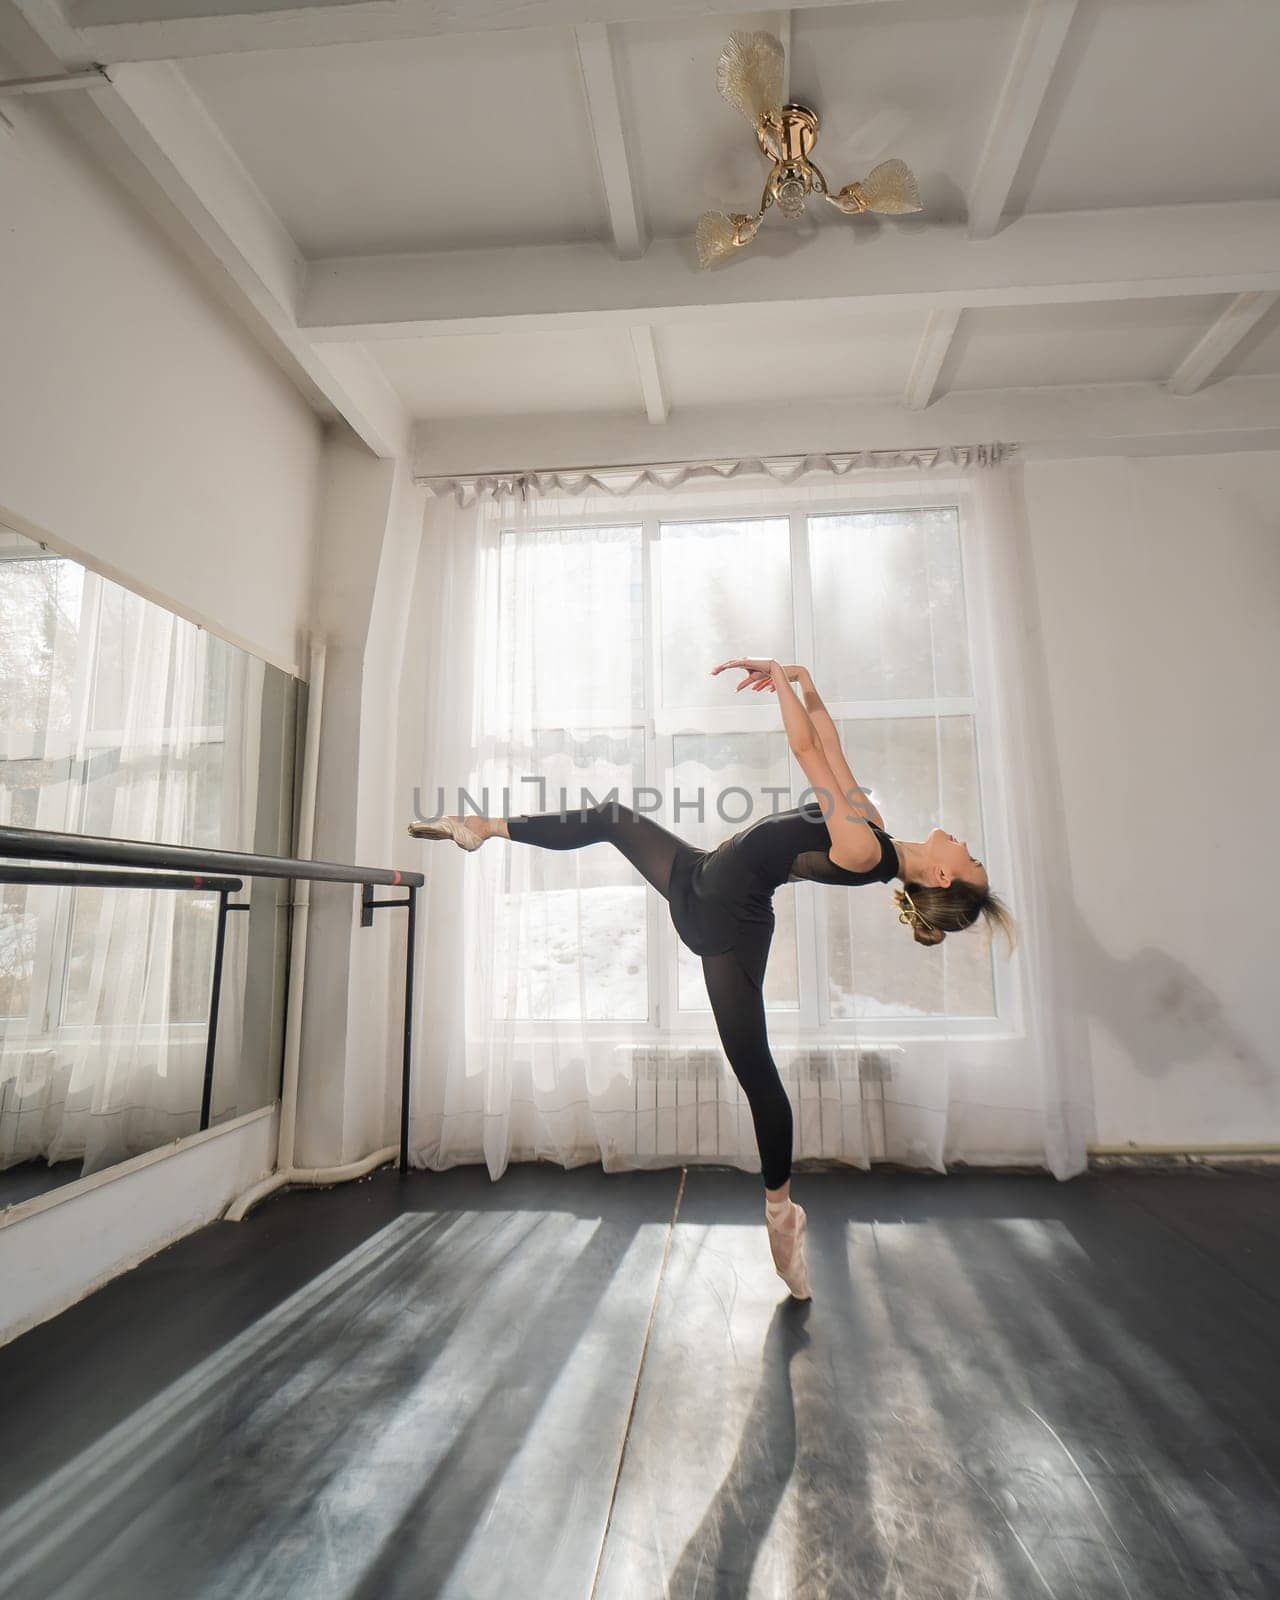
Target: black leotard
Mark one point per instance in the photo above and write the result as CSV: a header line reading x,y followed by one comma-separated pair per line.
x,y
722,899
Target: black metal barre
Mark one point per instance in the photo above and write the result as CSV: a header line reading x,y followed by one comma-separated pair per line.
x,y
88,878
37,844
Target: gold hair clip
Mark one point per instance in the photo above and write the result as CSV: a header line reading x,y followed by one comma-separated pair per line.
x,y
913,916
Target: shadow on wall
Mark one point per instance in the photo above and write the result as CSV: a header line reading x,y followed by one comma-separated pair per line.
x,y
1161,1012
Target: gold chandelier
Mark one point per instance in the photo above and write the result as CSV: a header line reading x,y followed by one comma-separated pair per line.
x,y
749,76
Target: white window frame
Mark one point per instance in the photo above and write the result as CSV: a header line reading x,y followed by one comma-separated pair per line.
x,y
810,1021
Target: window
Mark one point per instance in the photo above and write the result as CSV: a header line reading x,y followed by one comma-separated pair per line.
x,y
575,702
872,597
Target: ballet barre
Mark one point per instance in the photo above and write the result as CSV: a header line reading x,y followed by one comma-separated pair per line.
x,y
170,866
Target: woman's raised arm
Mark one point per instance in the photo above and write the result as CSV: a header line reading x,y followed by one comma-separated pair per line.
x,y
853,845
859,800
809,722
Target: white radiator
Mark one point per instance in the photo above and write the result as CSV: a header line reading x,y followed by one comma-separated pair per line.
x,y
679,1063
689,1106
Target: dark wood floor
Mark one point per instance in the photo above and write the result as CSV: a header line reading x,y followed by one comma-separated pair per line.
x,y
1004,1386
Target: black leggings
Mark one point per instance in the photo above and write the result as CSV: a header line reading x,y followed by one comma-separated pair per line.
x,y
737,998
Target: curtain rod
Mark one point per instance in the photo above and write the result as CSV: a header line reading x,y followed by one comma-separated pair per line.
x,y
671,474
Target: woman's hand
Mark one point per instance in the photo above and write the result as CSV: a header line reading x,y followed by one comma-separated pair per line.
x,y
758,669
760,672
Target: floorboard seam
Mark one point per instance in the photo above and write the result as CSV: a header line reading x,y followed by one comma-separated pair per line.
x,y
635,1392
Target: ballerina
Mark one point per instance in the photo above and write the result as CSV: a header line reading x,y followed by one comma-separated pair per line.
x,y
720,903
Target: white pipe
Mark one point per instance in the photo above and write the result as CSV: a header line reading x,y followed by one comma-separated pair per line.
x,y
349,1169
239,1207
314,1176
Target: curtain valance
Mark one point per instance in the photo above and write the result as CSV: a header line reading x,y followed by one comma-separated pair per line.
x,y
622,481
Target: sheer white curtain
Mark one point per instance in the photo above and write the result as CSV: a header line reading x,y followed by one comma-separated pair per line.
x,y
133,724
567,641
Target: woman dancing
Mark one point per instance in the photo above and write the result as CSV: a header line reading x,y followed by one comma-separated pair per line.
x,y
721,903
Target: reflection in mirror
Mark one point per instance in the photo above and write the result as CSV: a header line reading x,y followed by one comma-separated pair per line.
x,y
120,719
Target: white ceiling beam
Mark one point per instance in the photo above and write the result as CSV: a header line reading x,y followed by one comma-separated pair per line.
x,y
600,84
1046,258
1104,419
1212,349
651,384
939,330
152,30
1035,56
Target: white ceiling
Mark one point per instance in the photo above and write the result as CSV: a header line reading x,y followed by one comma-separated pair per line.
x,y
413,144
844,355
1159,104
1259,353
347,178
1117,341
512,374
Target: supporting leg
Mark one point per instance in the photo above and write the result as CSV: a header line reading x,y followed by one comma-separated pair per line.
x,y
737,1003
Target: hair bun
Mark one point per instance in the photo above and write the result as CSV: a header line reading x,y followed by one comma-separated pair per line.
x,y
923,931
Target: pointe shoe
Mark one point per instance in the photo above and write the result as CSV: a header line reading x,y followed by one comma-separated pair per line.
x,y
447,828
787,1246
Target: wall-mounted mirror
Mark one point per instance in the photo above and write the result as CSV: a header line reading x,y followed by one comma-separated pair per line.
x,y
119,718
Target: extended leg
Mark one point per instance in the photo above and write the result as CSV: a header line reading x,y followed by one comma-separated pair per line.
x,y
648,846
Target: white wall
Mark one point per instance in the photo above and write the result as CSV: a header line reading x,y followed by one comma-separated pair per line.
x,y
140,425
1159,589
143,430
